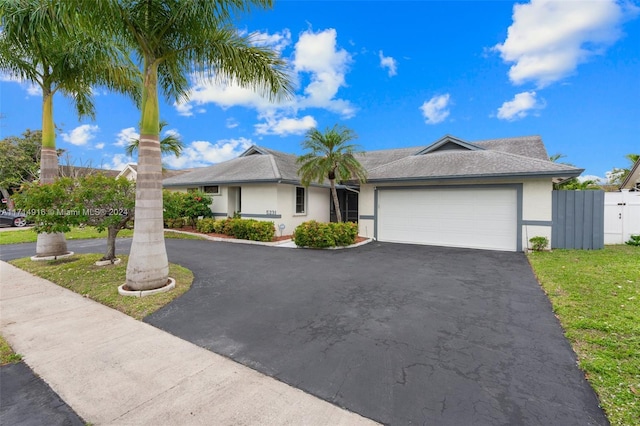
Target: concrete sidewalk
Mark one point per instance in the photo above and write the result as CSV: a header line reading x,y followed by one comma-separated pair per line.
x,y
112,369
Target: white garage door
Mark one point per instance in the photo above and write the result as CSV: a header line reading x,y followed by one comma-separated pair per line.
x,y
482,218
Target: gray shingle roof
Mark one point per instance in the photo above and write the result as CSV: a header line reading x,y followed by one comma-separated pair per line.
x,y
270,167
528,146
465,164
521,156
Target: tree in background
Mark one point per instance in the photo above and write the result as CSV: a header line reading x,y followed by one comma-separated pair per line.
x,y
572,183
172,39
19,162
50,44
330,157
169,144
617,175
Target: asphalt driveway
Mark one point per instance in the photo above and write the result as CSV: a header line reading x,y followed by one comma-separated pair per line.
x,y
401,334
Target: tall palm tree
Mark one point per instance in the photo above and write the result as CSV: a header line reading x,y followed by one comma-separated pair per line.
x,y
169,144
330,157
171,39
50,44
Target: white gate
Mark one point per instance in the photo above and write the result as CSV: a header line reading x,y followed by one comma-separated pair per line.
x,y
621,216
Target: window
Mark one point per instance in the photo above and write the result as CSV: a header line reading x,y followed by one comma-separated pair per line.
x,y
212,189
301,200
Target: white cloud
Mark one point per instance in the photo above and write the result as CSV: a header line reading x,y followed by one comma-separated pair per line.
x,y
316,59
597,179
231,123
100,145
204,153
118,162
31,88
317,54
549,38
435,110
172,132
224,93
277,41
521,105
389,63
81,134
124,137
285,126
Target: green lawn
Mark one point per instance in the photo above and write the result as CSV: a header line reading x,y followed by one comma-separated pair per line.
x,y
596,296
88,232
100,283
7,356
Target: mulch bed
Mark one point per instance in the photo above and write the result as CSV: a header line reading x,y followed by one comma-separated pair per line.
x,y
275,239
213,234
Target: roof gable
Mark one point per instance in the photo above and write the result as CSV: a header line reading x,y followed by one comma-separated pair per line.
x,y
448,143
632,181
253,150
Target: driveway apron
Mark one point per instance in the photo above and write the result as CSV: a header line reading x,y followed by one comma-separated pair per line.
x,y
401,334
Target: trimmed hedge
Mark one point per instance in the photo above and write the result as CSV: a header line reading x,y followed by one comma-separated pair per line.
x,y
206,225
244,229
322,235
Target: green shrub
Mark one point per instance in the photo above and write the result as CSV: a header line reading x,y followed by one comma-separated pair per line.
x,y
244,229
218,226
322,235
188,205
539,243
174,223
344,233
634,240
206,225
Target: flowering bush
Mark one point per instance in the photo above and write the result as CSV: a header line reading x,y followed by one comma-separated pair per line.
x,y
185,205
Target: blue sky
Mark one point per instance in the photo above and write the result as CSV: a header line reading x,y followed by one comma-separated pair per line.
x,y
399,74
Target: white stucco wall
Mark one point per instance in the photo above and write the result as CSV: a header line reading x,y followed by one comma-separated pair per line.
x,y
317,207
260,201
536,204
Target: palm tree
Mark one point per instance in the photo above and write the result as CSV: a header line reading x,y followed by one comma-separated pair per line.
x,y
330,157
170,144
171,38
48,44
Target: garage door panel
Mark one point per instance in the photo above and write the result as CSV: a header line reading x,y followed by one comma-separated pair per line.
x,y
475,218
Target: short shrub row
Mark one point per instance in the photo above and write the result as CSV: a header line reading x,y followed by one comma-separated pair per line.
x,y
321,235
244,229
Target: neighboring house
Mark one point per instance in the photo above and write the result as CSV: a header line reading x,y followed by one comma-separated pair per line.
x,y
76,172
493,194
632,181
131,172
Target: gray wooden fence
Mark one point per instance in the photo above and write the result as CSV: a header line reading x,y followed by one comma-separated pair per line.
x,y
578,220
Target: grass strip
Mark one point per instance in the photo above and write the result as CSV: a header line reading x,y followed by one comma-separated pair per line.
x,y
596,296
7,356
88,232
100,283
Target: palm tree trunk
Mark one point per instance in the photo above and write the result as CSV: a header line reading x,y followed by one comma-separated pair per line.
x,y
336,203
148,266
49,244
